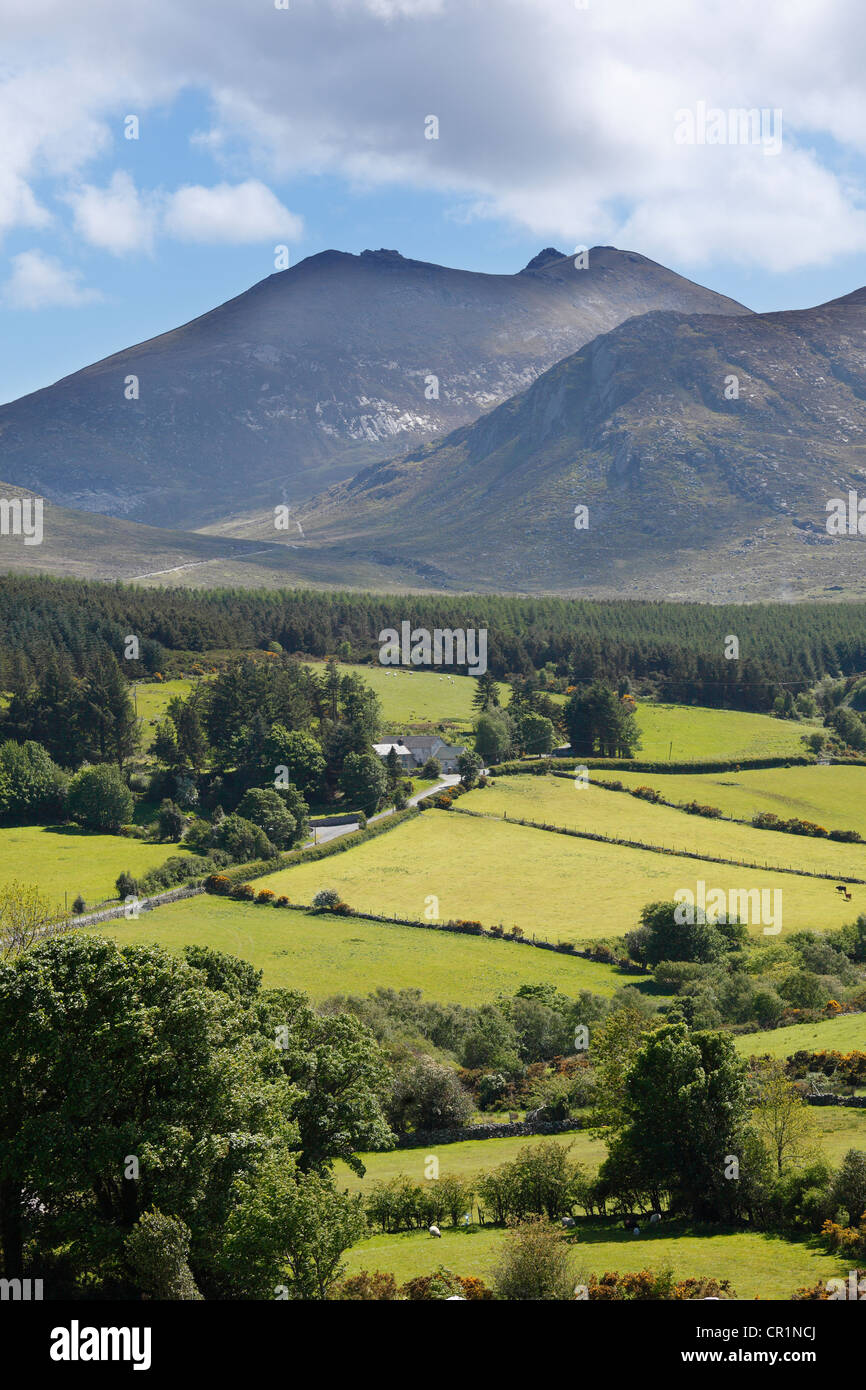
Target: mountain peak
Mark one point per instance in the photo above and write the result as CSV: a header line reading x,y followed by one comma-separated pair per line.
x,y
545,257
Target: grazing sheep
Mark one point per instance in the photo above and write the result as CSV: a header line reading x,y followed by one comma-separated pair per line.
x,y
435,1231
568,1222
654,1218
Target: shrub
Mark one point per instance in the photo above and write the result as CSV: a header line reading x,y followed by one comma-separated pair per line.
x,y
79,905
244,891
265,895
327,900
647,793
99,798
380,1286
535,1265
126,885
219,884
281,901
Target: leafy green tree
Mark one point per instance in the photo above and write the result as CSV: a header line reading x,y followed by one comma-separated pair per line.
x,y
781,1117
170,821
266,809
32,786
469,765
111,1054
493,736
491,1041
428,1095
301,753
157,1251
236,978
849,1186
340,1076
535,733
242,840
685,1114
99,798
600,723
432,770
364,781
26,917
289,1231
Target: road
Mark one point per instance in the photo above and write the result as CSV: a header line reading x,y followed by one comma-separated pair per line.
x,y
333,832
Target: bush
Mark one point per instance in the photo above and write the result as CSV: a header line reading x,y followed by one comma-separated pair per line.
x,y
326,900
281,901
245,892
79,905
99,799
378,1286
265,895
536,1264
126,885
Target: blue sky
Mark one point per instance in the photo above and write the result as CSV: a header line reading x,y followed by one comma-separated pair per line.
x,y
305,127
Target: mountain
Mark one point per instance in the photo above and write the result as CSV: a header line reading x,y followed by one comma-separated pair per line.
x,y
689,493
313,373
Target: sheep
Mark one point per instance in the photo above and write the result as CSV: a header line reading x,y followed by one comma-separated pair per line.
x,y
656,1216
435,1232
567,1222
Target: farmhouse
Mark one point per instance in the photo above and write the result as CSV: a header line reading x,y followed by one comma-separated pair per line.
x,y
420,747
403,754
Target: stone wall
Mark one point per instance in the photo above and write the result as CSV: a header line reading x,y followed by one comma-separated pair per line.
x,y
431,1139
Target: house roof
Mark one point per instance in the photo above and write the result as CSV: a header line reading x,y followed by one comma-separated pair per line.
x,y
383,749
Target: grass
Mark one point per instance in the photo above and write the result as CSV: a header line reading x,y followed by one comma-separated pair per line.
x,y
152,699
838,1129
834,797
324,955
758,1265
64,859
551,885
461,1160
410,696
557,800
847,1033
696,732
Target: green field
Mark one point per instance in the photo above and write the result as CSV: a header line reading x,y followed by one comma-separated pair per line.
x,y
834,797
683,732
551,885
325,955
462,1160
63,859
558,801
757,1265
152,699
409,696
847,1033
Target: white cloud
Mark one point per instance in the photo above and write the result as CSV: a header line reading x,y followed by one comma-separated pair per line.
x,y
42,282
117,218
557,119
229,213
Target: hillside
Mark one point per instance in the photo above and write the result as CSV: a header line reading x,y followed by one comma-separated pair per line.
x,y
312,373
690,494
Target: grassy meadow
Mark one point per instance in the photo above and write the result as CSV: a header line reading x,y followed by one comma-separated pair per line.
x,y
847,1033
553,886
64,859
834,797
325,955
558,801
756,1264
